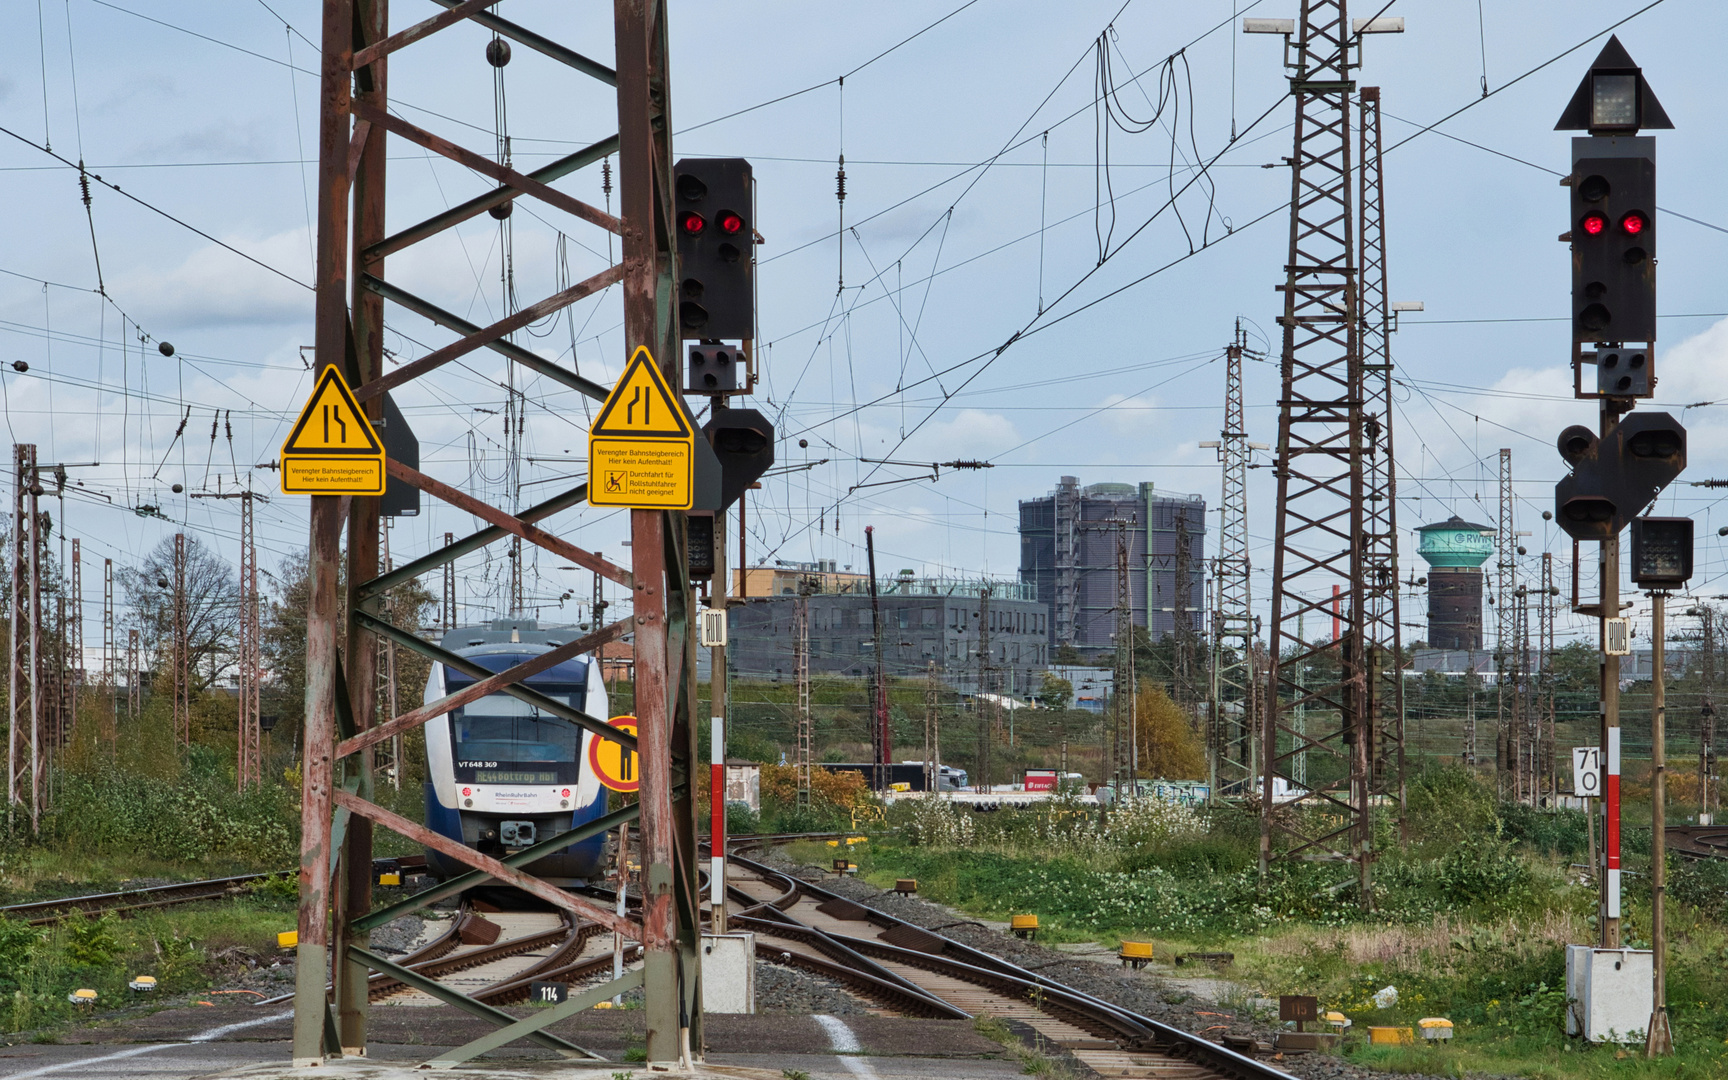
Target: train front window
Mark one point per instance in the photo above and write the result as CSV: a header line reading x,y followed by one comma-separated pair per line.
x,y
500,728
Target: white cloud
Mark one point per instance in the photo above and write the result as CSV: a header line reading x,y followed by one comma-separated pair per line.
x,y
215,287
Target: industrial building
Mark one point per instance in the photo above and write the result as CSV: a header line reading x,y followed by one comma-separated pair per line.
x,y
1068,546
1455,550
925,621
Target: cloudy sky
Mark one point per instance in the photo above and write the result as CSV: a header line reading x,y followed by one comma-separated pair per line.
x,y
977,208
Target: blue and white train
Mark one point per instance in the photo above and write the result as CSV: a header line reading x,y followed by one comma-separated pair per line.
x,y
501,774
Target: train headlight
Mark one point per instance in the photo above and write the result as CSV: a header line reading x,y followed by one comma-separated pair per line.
x,y
565,803
467,802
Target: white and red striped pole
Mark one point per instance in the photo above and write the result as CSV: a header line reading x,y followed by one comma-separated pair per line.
x,y
717,826
1611,826
1611,823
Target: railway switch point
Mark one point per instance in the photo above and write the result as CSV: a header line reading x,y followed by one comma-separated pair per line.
x,y
1024,926
477,930
1299,1042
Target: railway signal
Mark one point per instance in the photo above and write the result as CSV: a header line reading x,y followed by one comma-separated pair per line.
x,y
1615,477
743,440
713,212
1613,239
1661,552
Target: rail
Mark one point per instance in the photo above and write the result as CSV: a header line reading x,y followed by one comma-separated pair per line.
x,y
929,951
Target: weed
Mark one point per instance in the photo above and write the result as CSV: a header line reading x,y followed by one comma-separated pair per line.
x,y
1033,1061
794,1074
993,1028
636,1053
17,939
92,942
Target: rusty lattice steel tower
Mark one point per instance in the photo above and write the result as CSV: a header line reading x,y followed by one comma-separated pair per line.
x,y
1381,629
1234,748
342,723
1318,557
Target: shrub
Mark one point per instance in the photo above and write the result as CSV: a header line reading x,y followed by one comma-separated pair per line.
x,y
1702,883
92,942
1552,832
1449,803
190,819
17,940
741,820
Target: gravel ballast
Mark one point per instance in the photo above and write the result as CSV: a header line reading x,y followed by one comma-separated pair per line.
x,y
1140,992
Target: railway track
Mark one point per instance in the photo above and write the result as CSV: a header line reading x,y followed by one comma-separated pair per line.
x,y
897,967
532,946
907,969
42,912
1698,841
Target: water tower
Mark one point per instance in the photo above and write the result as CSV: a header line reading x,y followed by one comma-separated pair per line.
x,y
1455,550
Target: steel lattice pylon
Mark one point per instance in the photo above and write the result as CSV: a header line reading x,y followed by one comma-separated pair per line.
x,y
343,725
1126,751
1548,779
1707,785
801,673
1505,630
1382,632
251,663
181,649
1317,561
74,643
110,652
24,762
1234,751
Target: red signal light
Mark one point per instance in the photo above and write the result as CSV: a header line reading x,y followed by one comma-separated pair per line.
x,y
1594,224
730,223
692,223
1633,223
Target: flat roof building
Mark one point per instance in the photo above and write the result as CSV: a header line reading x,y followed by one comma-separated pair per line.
x,y
925,621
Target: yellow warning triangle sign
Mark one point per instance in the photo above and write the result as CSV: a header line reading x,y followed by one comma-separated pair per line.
x,y
331,422
641,406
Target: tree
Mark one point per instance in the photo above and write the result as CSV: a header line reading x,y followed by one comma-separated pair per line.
x,y
212,608
1055,692
1068,656
282,639
1168,748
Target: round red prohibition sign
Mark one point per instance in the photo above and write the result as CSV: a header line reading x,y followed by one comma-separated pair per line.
x,y
615,767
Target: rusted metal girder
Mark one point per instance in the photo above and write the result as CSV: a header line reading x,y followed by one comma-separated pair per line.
x,y
509,523
665,652
477,690
1318,554
455,549
341,722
